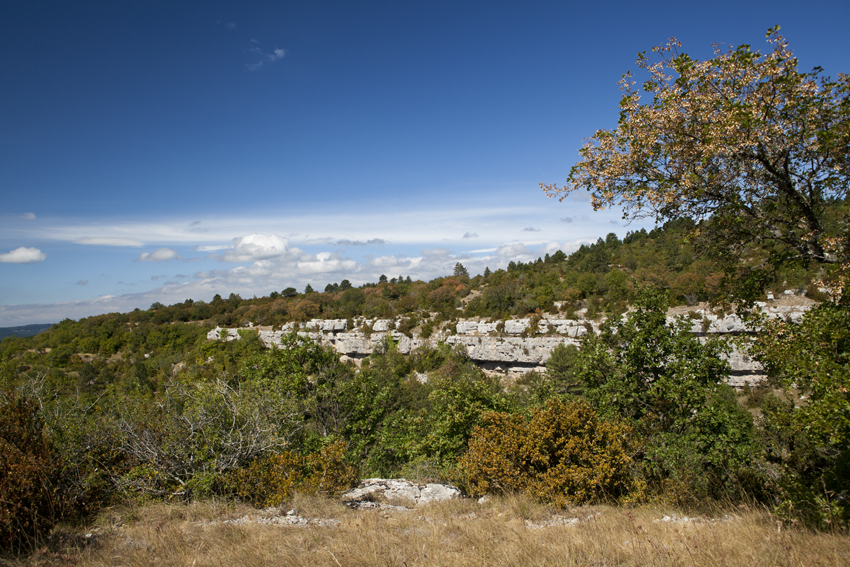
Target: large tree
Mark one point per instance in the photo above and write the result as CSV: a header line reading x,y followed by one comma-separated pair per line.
x,y
743,142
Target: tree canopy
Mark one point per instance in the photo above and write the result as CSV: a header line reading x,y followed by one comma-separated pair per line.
x,y
744,142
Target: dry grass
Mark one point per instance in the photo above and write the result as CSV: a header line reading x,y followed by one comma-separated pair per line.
x,y
503,531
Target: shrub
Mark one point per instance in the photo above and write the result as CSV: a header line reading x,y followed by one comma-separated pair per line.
x,y
810,440
563,454
668,385
28,509
271,480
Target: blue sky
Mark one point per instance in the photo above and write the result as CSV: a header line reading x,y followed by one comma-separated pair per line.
x,y
159,151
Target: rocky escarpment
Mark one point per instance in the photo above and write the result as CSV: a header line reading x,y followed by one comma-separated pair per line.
x,y
516,346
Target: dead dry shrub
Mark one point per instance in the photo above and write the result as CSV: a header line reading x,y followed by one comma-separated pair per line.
x,y
563,455
29,505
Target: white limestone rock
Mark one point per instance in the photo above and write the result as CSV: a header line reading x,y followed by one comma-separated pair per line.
x,y
516,326
401,490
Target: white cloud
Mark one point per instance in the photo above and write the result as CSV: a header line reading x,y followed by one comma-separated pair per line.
x,y
370,242
28,216
327,263
255,247
209,248
548,248
108,241
159,255
531,229
23,255
83,282
265,57
514,251
389,262
286,267
399,227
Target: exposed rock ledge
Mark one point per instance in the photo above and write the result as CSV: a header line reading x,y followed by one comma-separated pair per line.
x,y
513,347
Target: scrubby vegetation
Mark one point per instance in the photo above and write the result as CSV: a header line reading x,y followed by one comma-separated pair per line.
x,y
141,407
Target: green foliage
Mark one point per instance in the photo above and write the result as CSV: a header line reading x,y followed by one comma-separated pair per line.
x,y
811,439
562,369
668,384
563,454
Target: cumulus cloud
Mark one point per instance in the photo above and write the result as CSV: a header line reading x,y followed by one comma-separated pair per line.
x,y
326,262
391,262
514,250
255,247
28,216
549,248
23,255
531,229
471,235
108,241
158,255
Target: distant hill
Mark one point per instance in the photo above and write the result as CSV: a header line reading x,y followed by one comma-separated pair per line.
x,y
24,330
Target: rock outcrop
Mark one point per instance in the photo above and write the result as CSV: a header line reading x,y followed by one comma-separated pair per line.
x,y
517,346
399,491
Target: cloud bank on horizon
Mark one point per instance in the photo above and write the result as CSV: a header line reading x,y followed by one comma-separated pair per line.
x,y
373,243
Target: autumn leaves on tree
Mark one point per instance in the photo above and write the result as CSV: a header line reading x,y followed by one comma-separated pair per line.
x,y
743,142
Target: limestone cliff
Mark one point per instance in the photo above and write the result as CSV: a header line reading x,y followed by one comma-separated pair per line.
x,y
516,346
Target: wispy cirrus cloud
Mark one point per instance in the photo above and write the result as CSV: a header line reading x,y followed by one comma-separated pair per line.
x,y
371,242
264,56
108,241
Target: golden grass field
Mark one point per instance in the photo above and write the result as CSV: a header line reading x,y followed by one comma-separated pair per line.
x,y
503,531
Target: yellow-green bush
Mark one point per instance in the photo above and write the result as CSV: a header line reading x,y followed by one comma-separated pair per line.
x,y
563,454
269,481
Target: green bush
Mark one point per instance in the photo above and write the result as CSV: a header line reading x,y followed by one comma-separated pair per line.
x,y
669,386
810,440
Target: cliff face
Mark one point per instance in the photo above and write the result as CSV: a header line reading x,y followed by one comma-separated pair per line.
x,y
517,346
